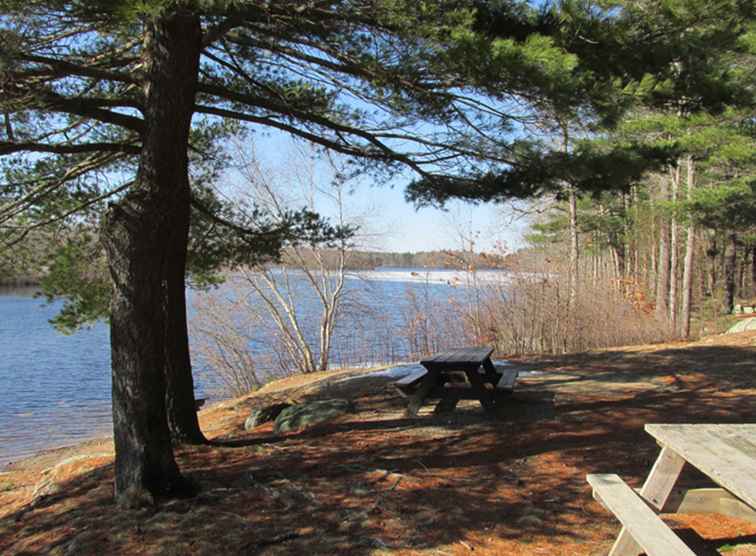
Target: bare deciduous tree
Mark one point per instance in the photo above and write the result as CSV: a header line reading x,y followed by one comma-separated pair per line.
x,y
298,300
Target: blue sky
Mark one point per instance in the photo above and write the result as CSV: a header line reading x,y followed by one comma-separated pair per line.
x,y
389,222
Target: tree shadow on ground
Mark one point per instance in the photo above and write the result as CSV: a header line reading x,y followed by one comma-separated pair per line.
x,y
512,484
732,365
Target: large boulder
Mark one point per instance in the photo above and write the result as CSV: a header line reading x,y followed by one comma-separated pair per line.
x,y
264,415
307,415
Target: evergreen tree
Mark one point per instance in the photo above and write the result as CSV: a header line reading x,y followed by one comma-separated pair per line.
x,y
120,101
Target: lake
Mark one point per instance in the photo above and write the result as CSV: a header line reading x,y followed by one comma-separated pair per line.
x,y
55,389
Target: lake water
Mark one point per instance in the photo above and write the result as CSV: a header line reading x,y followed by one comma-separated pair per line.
x,y
55,389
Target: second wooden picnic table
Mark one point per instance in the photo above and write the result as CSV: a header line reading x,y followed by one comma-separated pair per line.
x,y
464,373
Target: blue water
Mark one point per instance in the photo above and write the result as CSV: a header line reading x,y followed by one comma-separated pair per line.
x,y
55,388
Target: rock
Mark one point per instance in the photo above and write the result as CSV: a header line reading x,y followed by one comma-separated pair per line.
x,y
54,478
530,521
263,415
306,415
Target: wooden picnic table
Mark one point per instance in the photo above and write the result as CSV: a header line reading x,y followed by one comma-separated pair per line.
x,y
464,373
725,453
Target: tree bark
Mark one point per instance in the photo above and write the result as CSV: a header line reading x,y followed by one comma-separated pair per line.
x,y
180,403
662,276
753,271
673,250
636,236
742,271
574,252
139,234
687,283
730,266
712,252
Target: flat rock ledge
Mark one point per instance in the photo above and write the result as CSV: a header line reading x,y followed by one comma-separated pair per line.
x,y
306,415
264,415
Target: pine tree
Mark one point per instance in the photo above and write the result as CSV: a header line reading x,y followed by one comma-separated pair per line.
x,y
119,101
120,90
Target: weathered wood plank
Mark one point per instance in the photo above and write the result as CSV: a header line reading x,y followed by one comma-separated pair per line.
x,y
662,478
655,491
412,378
726,453
508,379
427,383
447,404
489,367
707,500
474,355
645,527
484,395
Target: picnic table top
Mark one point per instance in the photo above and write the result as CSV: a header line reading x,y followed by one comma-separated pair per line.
x,y
476,354
726,453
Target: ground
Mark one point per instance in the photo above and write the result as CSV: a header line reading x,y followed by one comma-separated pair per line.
x,y
377,483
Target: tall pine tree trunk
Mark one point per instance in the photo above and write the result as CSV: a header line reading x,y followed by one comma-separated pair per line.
x,y
662,275
574,253
730,269
753,271
711,252
741,271
636,235
179,398
139,233
673,250
687,283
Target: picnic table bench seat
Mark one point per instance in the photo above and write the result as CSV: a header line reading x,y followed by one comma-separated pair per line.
x,y
639,520
406,385
508,378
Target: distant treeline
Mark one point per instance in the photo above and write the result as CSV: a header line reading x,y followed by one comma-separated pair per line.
x,y
368,260
523,260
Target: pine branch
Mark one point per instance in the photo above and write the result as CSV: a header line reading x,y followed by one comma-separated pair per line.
x,y
10,148
63,68
270,121
90,108
28,229
268,104
247,233
48,186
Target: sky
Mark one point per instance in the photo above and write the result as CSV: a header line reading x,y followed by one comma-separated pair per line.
x,y
387,221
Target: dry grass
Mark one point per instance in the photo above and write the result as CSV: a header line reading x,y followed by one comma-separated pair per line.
x,y
533,314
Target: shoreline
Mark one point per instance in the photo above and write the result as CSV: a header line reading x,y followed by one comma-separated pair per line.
x,y
46,457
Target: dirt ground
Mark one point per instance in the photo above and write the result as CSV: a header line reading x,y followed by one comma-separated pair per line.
x,y
378,483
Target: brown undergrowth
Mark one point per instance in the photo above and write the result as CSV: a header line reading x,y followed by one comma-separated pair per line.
x,y
378,483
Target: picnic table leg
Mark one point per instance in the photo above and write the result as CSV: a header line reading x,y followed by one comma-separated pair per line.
x,y
416,400
656,490
489,367
479,386
490,374
447,404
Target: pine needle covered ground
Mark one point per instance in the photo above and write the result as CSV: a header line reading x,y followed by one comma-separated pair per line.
x,y
377,483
